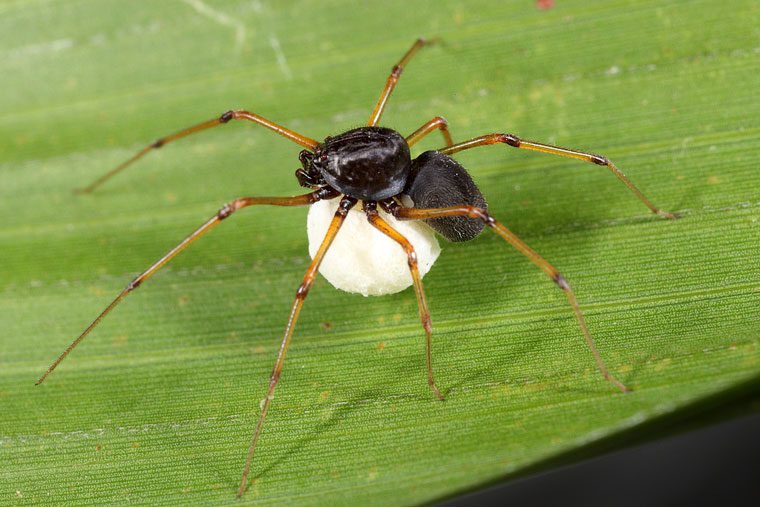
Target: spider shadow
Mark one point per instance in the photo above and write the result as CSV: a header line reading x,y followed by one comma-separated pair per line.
x,y
320,428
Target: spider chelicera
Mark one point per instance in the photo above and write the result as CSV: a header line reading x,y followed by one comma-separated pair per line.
x,y
372,164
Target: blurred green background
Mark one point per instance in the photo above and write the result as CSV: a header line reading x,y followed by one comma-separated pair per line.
x,y
158,404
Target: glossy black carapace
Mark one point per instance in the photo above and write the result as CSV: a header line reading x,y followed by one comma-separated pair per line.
x,y
368,163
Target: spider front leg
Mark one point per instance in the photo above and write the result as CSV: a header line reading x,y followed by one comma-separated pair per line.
x,y
224,212
516,142
390,84
224,118
311,273
480,214
370,208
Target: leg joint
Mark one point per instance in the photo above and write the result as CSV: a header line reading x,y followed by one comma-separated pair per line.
x,y
511,140
227,116
411,257
345,205
225,211
303,290
481,214
231,207
561,282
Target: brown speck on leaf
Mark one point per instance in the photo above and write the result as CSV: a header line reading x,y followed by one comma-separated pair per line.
x,y
99,448
397,317
326,325
381,346
135,445
183,301
544,5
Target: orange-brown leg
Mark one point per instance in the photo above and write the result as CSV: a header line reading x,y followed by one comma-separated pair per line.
x,y
304,141
439,122
370,208
516,142
390,84
224,212
345,205
480,214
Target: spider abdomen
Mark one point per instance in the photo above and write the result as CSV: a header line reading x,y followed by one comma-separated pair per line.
x,y
368,163
438,181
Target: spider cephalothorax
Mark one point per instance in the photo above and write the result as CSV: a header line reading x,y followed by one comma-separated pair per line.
x,y
368,163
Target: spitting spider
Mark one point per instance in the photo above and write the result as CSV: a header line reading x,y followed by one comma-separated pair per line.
x,y
372,164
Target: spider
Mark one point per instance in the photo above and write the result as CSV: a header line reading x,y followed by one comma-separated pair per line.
x,y
372,165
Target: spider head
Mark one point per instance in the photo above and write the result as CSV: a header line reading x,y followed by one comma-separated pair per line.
x,y
368,163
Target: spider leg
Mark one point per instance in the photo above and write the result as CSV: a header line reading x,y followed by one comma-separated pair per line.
x,y
224,118
224,212
516,142
439,122
345,205
370,208
390,84
478,213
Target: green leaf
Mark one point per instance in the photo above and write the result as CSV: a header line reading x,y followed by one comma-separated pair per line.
x,y
158,404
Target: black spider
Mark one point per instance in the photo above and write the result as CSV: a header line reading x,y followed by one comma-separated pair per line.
x,y
372,164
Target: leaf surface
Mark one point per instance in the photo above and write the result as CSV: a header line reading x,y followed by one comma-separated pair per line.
x,y
158,404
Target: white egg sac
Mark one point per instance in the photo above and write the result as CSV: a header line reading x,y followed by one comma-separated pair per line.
x,y
364,260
